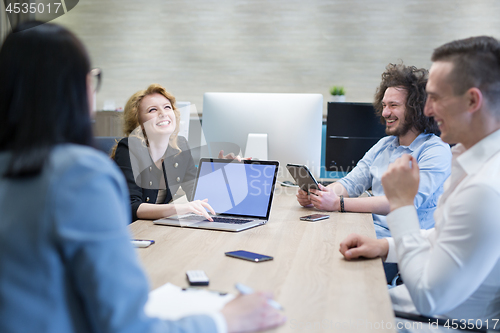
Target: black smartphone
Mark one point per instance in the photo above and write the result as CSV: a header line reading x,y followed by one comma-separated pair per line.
x,y
303,177
250,256
314,217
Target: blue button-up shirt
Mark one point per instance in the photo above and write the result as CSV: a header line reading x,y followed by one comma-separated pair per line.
x,y
434,161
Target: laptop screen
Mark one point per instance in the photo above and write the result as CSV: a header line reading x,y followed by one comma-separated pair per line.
x,y
237,188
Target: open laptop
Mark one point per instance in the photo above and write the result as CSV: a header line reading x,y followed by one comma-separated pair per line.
x,y
240,193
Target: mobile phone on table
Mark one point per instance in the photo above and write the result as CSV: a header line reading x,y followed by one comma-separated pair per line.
x,y
314,217
250,256
303,177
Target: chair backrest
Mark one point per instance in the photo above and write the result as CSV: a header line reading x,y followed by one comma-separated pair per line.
x,y
106,143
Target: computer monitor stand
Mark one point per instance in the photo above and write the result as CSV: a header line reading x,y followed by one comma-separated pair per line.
x,y
256,146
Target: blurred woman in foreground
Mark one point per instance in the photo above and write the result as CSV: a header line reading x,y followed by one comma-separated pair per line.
x,y
66,261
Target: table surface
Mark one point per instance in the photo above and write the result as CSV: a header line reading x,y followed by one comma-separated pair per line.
x,y
319,290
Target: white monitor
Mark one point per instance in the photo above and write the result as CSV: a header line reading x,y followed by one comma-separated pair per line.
x,y
292,123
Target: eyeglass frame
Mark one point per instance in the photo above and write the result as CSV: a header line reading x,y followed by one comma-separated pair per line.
x,y
97,72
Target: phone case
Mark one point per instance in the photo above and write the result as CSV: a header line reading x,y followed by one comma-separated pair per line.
x,y
303,177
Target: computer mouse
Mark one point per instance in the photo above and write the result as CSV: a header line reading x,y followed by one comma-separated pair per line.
x,y
287,183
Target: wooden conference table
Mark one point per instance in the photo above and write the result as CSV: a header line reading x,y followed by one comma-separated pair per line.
x,y
319,290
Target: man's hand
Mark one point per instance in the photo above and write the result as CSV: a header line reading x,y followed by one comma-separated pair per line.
x,y
303,198
400,182
325,199
249,313
355,246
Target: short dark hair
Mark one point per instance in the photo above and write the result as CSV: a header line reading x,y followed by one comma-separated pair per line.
x,y
43,95
413,80
476,63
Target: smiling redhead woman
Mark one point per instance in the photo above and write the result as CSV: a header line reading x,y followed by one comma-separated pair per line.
x,y
155,160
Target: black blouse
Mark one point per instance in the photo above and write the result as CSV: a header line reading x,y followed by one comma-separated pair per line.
x,y
144,179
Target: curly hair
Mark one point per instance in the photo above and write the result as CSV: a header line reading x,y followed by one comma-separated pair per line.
x,y
131,114
413,80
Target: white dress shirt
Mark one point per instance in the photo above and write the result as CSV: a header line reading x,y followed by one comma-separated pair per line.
x,y
454,269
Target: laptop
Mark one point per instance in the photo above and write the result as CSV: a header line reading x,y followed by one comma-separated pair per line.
x,y
241,194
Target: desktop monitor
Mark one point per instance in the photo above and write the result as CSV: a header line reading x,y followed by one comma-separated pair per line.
x,y
292,123
351,130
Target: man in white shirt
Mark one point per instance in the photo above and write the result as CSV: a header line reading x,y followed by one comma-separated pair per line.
x,y
452,270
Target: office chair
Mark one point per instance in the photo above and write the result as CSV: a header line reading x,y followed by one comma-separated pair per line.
x,y
105,143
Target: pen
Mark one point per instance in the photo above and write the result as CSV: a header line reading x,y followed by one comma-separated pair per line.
x,y
245,290
220,293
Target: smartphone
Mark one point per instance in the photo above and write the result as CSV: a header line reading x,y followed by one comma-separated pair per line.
x,y
314,217
250,256
303,177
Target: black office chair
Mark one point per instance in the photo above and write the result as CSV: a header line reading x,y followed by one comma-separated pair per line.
x,y
106,143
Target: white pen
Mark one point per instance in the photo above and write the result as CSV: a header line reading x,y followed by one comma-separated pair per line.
x,y
246,290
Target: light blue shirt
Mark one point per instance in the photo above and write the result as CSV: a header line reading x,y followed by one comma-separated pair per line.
x,y
434,161
66,261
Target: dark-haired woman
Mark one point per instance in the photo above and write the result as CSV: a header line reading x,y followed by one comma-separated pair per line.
x,y
66,262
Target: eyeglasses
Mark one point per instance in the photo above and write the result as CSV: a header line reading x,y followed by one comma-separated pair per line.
x,y
96,74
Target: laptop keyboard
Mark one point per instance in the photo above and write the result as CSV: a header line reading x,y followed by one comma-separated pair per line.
x,y
228,220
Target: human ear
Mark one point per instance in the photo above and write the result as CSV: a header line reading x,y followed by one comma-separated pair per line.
x,y
474,99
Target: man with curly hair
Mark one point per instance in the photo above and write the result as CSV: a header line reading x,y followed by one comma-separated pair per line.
x,y
400,101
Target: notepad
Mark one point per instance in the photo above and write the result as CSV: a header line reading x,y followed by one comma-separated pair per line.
x,y
172,303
